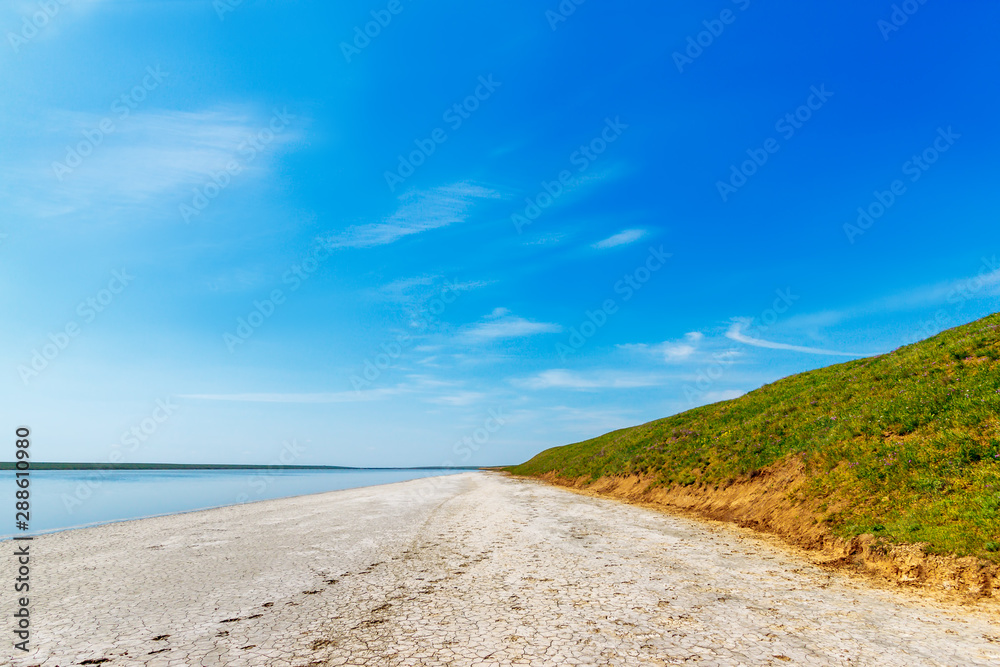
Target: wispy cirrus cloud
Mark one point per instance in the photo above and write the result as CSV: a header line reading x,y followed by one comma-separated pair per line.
x,y
320,397
735,332
985,284
585,422
560,378
150,156
458,398
670,351
621,238
418,212
408,289
502,324
15,14
681,350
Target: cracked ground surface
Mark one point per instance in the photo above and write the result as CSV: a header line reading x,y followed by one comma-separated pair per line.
x,y
469,569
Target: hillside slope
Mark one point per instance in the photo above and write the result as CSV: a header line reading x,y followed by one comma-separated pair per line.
x,y
903,446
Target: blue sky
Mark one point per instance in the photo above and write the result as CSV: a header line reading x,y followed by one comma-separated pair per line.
x,y
481,231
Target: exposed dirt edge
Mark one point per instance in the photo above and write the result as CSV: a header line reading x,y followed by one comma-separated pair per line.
x,y
769,502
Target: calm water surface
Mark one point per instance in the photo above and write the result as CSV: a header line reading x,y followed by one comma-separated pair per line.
x,y
63,499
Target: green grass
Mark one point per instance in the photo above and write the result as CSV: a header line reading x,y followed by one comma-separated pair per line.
x,y
905,445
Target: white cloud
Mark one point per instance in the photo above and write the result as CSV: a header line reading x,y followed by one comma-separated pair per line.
x,y
983,285
559,378
671,351
545,239
62,14
404,285
425,287
735,332
418,212
501,324
430,382
324,397
679,351
950,291
584,422
460,398
621,238
149,155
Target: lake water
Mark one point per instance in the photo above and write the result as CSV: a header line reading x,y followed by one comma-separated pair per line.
x,y
63,499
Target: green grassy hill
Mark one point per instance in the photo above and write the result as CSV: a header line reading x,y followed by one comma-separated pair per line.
x,y
905,445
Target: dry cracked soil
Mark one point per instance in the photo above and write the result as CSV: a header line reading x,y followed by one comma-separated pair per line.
x,y
467,569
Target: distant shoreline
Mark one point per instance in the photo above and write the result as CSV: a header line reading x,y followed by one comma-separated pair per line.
x,y
9,465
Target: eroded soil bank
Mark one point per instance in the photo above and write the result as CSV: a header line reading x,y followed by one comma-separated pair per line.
x,y
771,502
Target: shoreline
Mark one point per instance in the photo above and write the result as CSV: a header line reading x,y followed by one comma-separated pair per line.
x,y
92,524
53,466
